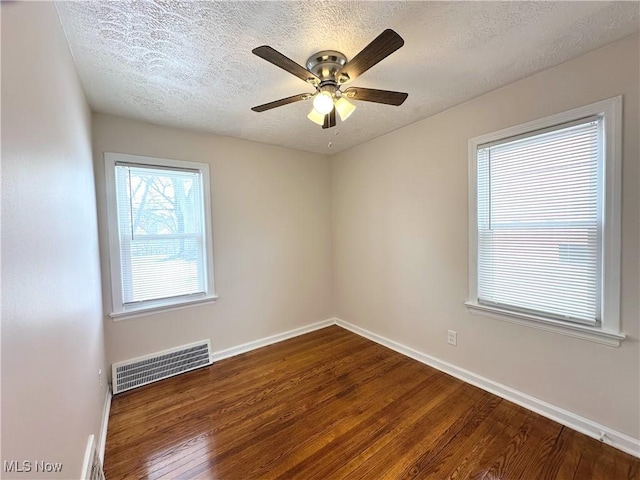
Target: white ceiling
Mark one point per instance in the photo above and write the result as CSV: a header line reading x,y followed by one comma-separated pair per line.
x,y
189,64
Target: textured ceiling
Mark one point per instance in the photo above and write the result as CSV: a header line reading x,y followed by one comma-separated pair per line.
x,y
189,64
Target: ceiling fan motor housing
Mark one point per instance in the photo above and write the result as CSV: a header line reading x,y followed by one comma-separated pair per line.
x,y
326,64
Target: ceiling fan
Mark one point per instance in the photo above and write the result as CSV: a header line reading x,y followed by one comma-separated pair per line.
x,y
328,71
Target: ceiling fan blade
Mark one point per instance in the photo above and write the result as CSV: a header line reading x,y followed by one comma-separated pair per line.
x,y
282,101
326,121
279,60
381,47
379,96
330,119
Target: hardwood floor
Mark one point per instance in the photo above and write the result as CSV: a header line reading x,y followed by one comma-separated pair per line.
x,y
333,405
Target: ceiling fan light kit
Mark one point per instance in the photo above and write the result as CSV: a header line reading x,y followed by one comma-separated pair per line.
x,y
323,101
327,71
344,107
316,117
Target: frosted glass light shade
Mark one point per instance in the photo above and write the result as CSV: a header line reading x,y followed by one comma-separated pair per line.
x,y
316,117
323,102
344,108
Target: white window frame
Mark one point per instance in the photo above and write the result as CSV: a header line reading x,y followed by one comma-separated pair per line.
x,y
119,310
608,332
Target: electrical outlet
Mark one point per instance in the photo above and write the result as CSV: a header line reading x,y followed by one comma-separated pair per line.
x,y
100,377
452,338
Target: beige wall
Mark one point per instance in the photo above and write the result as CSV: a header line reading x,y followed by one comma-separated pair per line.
x,y
271,239
52,335
400,243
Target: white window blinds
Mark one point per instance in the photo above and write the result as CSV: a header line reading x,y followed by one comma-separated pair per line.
x,y
539,222
161,231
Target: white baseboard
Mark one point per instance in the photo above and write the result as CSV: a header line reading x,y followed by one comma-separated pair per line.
x,y
88,457
581,424
102,439
576,422
263,342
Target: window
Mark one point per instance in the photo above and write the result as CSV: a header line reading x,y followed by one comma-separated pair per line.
x,y
159,233
545,223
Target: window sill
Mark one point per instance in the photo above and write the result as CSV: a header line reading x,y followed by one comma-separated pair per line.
x,y
585,332
133,312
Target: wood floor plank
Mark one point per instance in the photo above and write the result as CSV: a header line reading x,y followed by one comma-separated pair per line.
x,y
534,436
225,411
539,438
222,382
409,439
311,414
462,453
214,387
408,404
350,426
332,416
333,405
380,365
466,452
